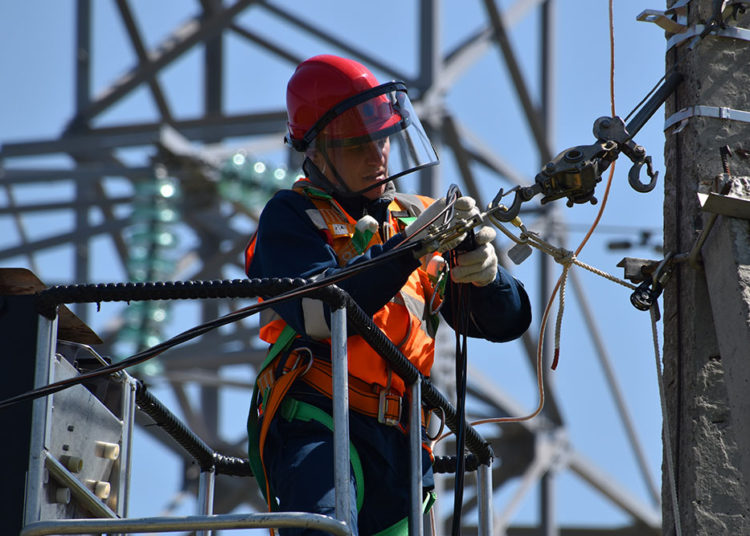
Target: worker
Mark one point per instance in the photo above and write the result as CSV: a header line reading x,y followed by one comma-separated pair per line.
x,y
357,136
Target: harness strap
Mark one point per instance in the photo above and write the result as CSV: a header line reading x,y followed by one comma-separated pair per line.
x,y
270,407
254,434
364,398
285,338
401,528
296,409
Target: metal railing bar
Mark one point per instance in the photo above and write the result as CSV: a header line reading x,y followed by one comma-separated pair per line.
x,y
188,523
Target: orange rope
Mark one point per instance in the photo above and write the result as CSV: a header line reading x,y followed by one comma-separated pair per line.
x,y
611,170
542,328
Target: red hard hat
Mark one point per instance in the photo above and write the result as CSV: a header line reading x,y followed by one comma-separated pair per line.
x,y
321,83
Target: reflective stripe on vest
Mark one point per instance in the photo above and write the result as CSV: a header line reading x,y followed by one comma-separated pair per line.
x,y
403,319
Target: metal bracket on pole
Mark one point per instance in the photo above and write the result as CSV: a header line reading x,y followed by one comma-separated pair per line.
x,y
661,19
732,32
674,21
726,205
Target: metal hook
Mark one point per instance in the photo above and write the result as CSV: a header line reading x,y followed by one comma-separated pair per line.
x,y
501,212
634,176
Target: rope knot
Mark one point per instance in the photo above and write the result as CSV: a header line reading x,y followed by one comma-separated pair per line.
x,y
564,256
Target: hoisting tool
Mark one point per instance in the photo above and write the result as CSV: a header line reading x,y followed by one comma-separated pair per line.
x,y
575,172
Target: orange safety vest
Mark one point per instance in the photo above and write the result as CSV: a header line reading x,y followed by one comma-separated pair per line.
x,y
404,319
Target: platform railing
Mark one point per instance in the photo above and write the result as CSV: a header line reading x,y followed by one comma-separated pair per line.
x,y
344,312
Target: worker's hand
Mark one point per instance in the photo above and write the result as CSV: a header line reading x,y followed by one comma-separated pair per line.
x,y
478,266
464,208
419,228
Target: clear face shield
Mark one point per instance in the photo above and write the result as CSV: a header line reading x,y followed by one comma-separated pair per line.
x,y
369,140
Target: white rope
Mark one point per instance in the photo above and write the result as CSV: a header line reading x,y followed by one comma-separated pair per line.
x,y
561,307
566,258
666,432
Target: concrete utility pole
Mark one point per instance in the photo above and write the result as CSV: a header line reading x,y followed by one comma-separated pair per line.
x,y
707,303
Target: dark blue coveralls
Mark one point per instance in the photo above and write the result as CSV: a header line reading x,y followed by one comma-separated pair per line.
x,y
299,453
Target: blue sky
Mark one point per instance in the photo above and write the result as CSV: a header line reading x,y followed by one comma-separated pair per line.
x,y
37,99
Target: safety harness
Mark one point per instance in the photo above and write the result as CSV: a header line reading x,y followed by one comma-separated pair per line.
x,y
286,362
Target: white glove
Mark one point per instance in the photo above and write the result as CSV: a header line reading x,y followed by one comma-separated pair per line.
x,y
464,208
478,266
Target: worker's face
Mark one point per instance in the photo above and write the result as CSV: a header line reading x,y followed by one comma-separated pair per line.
x,y
360,166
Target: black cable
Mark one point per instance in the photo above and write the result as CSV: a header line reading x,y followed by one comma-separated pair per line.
x,y
201,452
447,464
91,293
186,438
460,308
50,298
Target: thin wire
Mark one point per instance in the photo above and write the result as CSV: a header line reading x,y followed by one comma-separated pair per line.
x,y
666,428
648,95
545,317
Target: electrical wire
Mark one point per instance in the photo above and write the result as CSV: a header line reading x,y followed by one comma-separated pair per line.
x,y
667,430
200,329
406,246
459,305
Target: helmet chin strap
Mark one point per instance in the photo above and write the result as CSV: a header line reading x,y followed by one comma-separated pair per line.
x,y
321,179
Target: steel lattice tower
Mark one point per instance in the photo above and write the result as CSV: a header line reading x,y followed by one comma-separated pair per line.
x,y
189,152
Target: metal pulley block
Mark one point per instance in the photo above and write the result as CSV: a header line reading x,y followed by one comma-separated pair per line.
x,y
575,172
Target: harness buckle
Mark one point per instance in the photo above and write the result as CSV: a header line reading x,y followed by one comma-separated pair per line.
x,y
299,354
389,408
299,351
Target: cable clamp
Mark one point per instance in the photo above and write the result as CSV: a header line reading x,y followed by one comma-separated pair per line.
x,y
732,32
719,112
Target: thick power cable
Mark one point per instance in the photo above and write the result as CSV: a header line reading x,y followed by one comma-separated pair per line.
x,y
290,288
206,457
286,288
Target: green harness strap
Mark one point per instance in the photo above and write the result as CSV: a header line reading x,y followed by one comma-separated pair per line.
x,y
401,528
302,411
